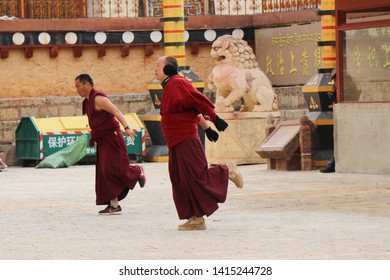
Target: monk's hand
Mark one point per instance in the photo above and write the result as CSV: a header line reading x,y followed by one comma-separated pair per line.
x,y
130,133
211,134
220,124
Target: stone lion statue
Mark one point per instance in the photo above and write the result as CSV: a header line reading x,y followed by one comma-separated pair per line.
x,y
237,75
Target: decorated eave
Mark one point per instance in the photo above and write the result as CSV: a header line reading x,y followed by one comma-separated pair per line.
x,y
78,40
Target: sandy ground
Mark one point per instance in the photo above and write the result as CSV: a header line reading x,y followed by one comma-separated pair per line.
x,y
49,214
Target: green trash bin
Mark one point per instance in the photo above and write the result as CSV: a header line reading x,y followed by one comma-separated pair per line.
x,y
37,138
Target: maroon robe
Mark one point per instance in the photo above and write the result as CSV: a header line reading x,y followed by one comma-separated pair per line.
x,y
114,174
197,189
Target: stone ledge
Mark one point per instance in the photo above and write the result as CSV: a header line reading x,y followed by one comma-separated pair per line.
x,y
248,115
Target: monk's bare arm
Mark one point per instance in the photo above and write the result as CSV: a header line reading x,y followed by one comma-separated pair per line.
x,y
103,103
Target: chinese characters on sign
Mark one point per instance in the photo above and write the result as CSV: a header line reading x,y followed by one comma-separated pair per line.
x,y
61,141
366,64
369,53
289,55
54,143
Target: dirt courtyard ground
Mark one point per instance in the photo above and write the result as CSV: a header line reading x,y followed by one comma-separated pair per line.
x,y
49,214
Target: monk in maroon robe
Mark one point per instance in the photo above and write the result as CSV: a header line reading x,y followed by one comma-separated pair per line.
x,y
197,189
115,176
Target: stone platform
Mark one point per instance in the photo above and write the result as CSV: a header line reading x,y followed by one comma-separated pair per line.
x,y
240,140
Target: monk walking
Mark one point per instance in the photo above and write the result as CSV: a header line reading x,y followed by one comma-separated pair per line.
x,y
115,176
197,189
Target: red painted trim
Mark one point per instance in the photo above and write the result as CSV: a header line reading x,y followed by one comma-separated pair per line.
x,y
353,5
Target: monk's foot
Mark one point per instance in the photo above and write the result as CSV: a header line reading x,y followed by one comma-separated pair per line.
x,y
234,175
142,177
195,223
111,210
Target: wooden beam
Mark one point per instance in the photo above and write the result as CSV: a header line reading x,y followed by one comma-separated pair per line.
x,y
149,50
53,51
194,48
101,51
29,52
125,51
77,52
4,53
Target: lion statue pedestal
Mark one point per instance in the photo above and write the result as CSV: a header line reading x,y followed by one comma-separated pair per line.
x,y
238,143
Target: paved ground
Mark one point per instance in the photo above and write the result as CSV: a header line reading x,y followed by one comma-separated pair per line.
x,y
50,214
